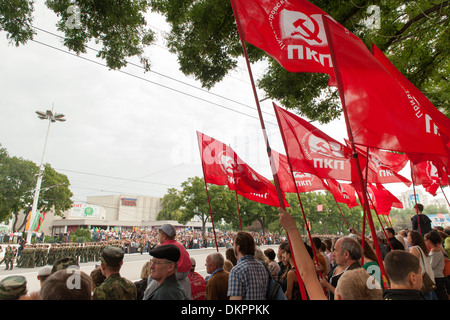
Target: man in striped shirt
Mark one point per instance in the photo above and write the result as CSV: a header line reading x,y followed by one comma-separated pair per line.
x,y
248,280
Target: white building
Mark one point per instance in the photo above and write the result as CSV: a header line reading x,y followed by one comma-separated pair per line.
x,y
123,211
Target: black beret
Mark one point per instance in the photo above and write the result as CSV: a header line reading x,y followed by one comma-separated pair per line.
x,y
167,251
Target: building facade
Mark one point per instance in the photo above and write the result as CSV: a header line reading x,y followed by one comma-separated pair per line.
x,y
124,212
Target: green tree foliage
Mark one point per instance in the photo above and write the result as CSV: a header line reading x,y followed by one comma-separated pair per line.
x,y
191,201
17,184
413,34
118,25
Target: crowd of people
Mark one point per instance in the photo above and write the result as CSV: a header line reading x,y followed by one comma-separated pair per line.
x,y
338,268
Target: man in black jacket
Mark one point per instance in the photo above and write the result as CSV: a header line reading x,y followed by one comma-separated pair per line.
x,y
163,267
420,222
405,275
395,244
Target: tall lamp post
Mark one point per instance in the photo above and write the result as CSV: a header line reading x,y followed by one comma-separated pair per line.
x,y
51,117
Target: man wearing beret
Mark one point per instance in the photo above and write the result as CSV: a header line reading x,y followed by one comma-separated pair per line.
x,y
166,236
163,268
114,287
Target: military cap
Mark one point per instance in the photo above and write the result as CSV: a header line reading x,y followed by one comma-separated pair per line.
x,y
167,251
45,271
112,256
13,287
64,263
168,229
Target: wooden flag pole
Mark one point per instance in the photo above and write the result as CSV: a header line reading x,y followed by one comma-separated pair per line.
x,y
326,21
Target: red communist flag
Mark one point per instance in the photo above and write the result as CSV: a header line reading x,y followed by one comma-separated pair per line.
x,y
379,172
311,150
435,121
342,192
381,113
382,199
434,118
290,31
305,182
222,166
431,175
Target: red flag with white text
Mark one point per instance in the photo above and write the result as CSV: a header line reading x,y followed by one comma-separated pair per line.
x,y
311,150
290,31
383,199
431,175
222,166
381,113
342,192
304,181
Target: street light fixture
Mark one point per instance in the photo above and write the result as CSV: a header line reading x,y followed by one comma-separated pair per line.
x,y
51,117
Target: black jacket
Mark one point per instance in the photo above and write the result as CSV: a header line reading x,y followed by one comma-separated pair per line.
x,y
402,294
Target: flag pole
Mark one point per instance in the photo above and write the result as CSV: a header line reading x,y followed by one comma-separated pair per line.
x,y
235,192
415,197
442,189
238,210
298,195
348,227
269,150
207,193
355,154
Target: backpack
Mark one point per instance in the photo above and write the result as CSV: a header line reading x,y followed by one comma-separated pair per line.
x,y
274,290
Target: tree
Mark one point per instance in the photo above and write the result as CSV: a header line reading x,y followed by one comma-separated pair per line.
x,y
118,25
17,184
413,34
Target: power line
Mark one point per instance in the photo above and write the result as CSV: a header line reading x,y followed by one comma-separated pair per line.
x,y
162,75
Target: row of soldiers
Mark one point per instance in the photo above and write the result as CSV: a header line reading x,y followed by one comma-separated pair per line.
x,y
38,255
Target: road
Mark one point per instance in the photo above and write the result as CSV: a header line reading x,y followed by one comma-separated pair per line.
x,y
131,268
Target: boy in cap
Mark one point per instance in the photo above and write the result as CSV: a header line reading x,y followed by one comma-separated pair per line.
x,y
114,287
163,267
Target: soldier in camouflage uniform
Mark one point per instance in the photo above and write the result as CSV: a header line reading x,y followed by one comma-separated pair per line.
x,y
9,258
114,287
13,287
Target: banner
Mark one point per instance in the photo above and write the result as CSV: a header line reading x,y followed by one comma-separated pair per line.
x,y
222,166
342,192
311,150
431,175
304,182
381,113
290,31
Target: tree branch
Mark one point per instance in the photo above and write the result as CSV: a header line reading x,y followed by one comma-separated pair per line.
x,y
415,19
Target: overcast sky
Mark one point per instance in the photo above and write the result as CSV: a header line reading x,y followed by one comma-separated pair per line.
x,y
124,133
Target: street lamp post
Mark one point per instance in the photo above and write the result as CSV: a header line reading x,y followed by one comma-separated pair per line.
x,y
51,117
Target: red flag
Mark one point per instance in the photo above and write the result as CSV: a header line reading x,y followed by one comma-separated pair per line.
x,y
379,172
433,117
304,181
342,192
383,199
222,166
290,31
311,150
381,113
431,175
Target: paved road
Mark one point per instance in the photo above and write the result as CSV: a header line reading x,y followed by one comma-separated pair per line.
x,y
131,268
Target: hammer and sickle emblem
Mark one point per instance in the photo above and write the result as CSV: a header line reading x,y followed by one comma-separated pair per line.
x,y
310,34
